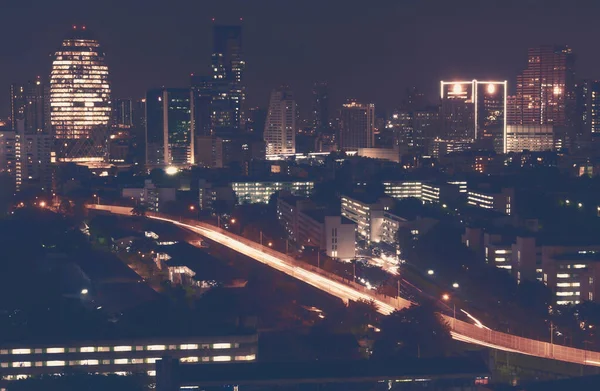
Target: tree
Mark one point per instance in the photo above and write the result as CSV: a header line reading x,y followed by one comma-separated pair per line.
x,y
65,207
139,210
417,331
404,241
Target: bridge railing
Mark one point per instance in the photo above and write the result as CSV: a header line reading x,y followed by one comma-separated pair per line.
x,y
459,327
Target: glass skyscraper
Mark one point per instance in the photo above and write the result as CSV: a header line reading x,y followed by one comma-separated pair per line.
x,y
169,132
80,98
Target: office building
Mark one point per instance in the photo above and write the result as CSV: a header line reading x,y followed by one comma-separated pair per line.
x,y
530,138
357,126
202,112
280,128
587,111
29,107
7,152
475,110
80,98
209,151
121,356
367,212
424,191
546,91
227,72
500,201
320,107
310,226
33,155
169,133
256,118
122,114
251,192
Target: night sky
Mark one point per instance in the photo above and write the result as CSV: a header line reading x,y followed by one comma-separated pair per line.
x,y
368,49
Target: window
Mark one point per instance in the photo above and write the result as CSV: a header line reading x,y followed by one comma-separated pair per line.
x,y
21,364
88,362
55,350
121,361
55,363
205,359
122,348
156,347
72,350
137,360
103,349
188,359
221,358
152,360
21,351
222,346
189,346
87,349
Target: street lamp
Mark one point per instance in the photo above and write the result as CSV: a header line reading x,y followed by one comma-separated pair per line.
x,y
192,207
430,272
84,291
270,244
42,204
232,221
455,285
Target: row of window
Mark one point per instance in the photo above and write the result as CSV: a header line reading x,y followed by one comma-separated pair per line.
x,y
121,348
122,361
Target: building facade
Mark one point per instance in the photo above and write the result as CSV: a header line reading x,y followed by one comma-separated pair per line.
x,y
529,137
367,214
280,127
80,98
251,192
29,107
499,201
475,110
320,111
169,132
357,126
121,356
33,154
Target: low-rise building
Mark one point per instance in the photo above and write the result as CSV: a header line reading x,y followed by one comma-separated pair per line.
x,y
308,225
499,200
367,212
150,195
251,192
121,356
572,276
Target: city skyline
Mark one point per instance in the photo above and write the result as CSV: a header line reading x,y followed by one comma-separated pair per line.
x,y
280,47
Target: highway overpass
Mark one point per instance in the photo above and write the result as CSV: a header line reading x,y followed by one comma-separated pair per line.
x,y
348,290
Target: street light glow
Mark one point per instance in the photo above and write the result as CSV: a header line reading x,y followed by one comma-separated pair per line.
x,y
445,297
171,170
455,285
430,272
42,204
84,291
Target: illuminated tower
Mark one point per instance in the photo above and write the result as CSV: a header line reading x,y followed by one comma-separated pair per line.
x,y
80,98
475,111
357,128
280,128
227,73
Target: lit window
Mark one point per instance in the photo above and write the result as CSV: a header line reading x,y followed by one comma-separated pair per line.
x,y
122,348
151,360
156,347
21,351
88,362
221,346
55,363
137,360
151,373
221,358
21,364
87,349
103,349
189,346
189,359
55,350
121,361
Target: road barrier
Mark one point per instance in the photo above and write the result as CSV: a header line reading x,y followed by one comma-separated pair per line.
x,y
460,330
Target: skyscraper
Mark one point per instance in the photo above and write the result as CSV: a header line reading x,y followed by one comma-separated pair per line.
x,y
545,91
29,107
587,123
320,107
169,132
227,74
203,94
475,111
280,128
80,98
357,126
122,114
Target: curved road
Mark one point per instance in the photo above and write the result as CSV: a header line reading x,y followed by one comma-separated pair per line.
x,y
462,331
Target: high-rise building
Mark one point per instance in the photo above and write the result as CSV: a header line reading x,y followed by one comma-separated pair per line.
x,y
29,107
255,121
320,107
587,109
545,90
475,110
357,126
80,98
280,128
203,95
33,161
169,132
7,152
227,74
122,114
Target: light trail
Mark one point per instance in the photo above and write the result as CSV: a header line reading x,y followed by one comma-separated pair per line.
x,y
461,331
